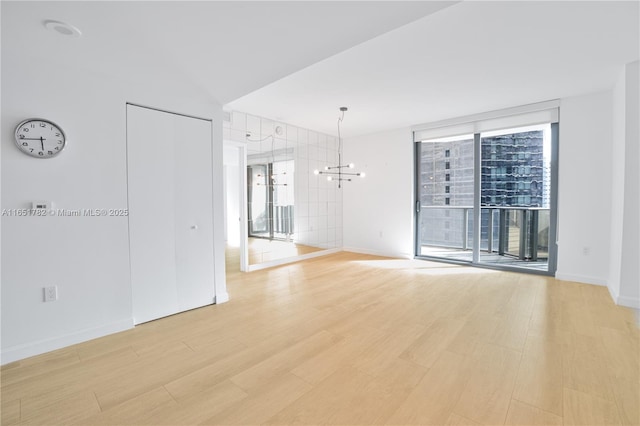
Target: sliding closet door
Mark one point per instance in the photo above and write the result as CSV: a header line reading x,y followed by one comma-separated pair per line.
x,y
170,212
151,191
193,176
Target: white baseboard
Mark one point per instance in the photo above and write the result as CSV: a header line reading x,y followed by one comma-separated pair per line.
x,y
292,259
221,298
629,302
613,294
46,345
378,253
581,279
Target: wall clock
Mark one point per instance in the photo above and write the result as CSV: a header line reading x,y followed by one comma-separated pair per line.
x,y
40,138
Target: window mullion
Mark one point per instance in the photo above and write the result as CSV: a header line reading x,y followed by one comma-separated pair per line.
x,y
477,181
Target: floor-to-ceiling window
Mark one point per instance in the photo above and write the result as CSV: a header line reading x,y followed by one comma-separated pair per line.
x,y
487,197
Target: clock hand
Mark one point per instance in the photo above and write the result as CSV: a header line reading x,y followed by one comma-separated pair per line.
x,y
42,142
33,139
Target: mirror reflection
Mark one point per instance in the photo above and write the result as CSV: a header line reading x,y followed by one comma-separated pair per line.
x,y
290,211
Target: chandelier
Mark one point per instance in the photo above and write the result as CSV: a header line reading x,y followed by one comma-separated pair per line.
x,y
337,173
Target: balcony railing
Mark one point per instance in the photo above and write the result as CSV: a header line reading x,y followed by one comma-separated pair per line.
x,y
521,232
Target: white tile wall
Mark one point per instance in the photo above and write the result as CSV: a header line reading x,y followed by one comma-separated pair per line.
x,y
235,134
318,202
303,136
292,133
266,127
253,125
322,195
238,121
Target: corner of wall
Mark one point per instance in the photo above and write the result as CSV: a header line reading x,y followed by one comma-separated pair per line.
x,y
612,292
628,302
625,229
221,298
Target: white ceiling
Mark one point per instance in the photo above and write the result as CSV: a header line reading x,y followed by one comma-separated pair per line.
x,y
468,58
394,64
226,49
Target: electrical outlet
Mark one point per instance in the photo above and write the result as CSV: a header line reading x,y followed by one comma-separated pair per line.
x,y
50,293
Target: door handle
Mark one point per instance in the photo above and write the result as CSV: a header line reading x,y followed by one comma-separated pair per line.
x,y
417,206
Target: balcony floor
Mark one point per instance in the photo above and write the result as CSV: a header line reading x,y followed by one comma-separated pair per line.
x,y
485,258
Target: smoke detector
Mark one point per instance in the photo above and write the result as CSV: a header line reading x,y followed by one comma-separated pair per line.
x,y
62,28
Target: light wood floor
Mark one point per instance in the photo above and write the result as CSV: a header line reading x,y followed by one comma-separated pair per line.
x,y
263,250
353,339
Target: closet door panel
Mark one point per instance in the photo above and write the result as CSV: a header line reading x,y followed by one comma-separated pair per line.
x,y
151,193
194,212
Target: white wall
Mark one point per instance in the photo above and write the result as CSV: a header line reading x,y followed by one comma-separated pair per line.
x,y
86,257
585,179
232,195
630,275
617,187
378,215
624,269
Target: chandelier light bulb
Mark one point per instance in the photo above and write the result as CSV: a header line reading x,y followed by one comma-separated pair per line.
x,y
351,165
316,172
326,167
329,178
361,174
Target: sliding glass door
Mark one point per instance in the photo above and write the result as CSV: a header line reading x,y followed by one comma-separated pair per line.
x,y
516,196
488,198
445,197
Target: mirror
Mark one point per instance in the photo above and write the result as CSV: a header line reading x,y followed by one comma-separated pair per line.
x,y
290,211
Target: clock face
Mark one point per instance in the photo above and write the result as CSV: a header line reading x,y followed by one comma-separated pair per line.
x,y
40,138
